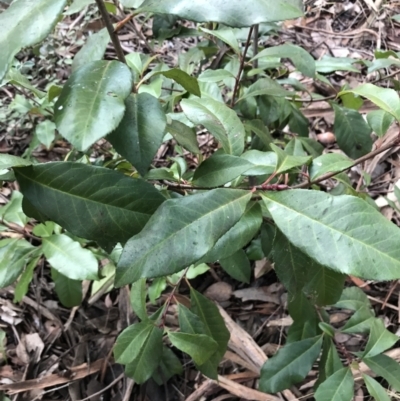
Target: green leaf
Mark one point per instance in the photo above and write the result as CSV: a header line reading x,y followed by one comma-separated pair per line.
x,y
286,162
180,232
360,321
375,389
215,328
12,212
22,287
148,357
264,162
46,132
266,86
379,121
385,367
238,236
91,103
92,50
330,64
25,23
380,339
69,291
44,230
385,98
131,340
140,133
338,387
353,298
227,35
220,120
7,161
237,266
219,169
156,288
215,75
77,6
14,254
69,258
289,365
138,298
341,232
329,362
200,347
91,202
184,136
302,60
329,163
236,13
352,133
170,365
184,79
15,77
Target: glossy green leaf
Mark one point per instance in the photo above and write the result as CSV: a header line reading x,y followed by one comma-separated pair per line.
x,y
219,169
12,212
140,133
227,35
14,253
341,232
220,120
46,132
68,291
7,161
188,82
69,258
303,61
338,387
170,365
264,162
138,298
289,365
360,322
181,232
385,367
22,287
131,340
352,133
92,50
379,121
330,64
286,162
353,298
215,75
380,339
156,288
236,13
148,356
215,328
375,389
238,236
184,136
385,98
91,202
200,347
266,86
77,6
329,362
15,77
329,163
91,103
25,23
237,266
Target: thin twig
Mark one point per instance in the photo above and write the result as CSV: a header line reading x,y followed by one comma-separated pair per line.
x,y
242,60
110,29
357,161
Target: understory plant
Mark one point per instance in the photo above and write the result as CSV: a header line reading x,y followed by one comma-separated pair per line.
x,y
244,181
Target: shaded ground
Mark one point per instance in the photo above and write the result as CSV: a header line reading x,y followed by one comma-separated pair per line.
x,y
45,340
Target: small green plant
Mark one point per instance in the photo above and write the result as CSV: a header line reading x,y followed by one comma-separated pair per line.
x,y
263,185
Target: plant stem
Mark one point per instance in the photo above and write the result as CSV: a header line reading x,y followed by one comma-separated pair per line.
x,y
242,59
362,159
110,29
